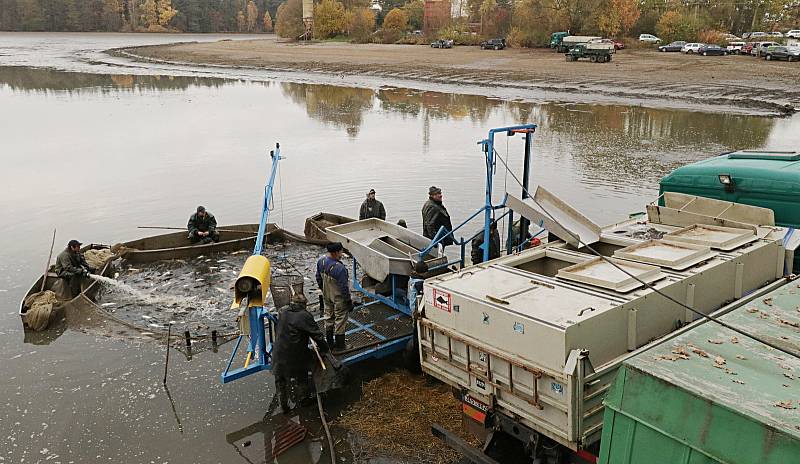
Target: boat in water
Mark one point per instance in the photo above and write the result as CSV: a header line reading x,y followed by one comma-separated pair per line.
x,y
176,245
314,230
66,306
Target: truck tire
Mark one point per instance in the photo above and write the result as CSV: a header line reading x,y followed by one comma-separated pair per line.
x,y
608,59
768,57
593,58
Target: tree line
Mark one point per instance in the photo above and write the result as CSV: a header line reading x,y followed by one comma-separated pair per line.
x,y
138,15
523,22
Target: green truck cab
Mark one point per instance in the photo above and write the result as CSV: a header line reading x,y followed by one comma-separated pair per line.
x,y
556,38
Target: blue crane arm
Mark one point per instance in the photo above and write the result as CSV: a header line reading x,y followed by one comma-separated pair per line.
x,y
262,226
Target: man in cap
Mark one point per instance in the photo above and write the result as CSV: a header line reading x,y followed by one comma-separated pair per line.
x,y
435,216
202,227
291,356
71,266
494,244
371,208
333,280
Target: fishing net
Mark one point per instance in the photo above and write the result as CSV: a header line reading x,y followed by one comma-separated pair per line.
x,y
97,257
283,287
40,307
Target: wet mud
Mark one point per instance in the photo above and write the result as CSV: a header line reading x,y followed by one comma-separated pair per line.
x,y
634,76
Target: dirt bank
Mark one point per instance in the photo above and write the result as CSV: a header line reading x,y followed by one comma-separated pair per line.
x,y
634,76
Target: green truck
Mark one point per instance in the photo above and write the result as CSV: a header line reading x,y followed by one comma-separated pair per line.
x,y
711,395
596,52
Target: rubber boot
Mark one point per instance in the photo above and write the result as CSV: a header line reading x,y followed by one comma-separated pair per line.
x,y
340,345
329,337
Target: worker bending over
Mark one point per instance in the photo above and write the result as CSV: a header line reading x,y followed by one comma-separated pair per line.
x,y
494,244
71,266
435,216
290,354
334,282
372,208
202,227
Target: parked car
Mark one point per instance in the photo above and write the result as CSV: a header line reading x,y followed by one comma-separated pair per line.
x,y
775,34
794,33
757,35
747,48
692,47
441,43
614,44
649,38
731,38
712,50
760,47
493,44
735,47
676,46
782,53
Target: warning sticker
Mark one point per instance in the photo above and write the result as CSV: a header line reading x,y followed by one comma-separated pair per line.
x,y
442,300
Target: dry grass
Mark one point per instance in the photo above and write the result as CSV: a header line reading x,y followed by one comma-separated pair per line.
x,y
394,417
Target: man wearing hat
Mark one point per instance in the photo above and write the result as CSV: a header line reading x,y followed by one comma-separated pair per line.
x,y
494,244
333,280
371,208
435,216
202,227
71,266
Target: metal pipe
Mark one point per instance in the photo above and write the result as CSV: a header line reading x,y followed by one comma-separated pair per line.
x,y
526,174
262,226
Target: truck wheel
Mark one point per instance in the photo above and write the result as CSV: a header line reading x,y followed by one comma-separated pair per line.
x,y
593,59
608,59
768,57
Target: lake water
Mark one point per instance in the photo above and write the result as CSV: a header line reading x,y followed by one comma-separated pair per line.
x,y
95,147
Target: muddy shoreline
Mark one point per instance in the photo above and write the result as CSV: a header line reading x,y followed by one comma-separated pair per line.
x,y
740,84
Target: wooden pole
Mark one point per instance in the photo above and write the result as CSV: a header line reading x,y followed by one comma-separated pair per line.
x,y
252,232
47,264
166,364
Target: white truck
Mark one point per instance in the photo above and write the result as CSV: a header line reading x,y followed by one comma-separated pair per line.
x,y
532,342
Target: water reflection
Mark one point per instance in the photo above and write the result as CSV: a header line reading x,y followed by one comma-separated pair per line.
x,y
45,80
341,107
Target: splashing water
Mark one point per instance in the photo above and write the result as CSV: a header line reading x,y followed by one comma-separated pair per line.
x,y
185,303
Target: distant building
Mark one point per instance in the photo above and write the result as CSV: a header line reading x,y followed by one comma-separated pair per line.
x,y
436,15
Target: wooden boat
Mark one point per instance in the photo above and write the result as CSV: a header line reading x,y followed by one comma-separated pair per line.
x,y
176,245
315,226
87,296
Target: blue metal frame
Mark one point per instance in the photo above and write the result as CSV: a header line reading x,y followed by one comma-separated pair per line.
x,y
258,348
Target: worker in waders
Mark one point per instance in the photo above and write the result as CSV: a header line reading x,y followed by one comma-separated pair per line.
x,y
435,216
291,357
202,227
71,266
333,280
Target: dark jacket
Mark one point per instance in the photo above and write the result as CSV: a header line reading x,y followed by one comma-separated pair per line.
x,y
70,264
372,209
434,216
335,269
291,355
208,223
494,246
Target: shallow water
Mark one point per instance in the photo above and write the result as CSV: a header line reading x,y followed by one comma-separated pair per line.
x,y
96,155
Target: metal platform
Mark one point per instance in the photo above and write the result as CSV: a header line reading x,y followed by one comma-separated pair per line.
x,y
374,330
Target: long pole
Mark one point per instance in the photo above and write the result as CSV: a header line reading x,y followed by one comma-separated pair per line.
x,y
184,228
166,364
47,264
